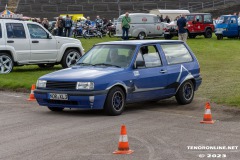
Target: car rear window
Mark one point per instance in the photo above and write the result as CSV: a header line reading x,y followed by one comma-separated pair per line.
x,y
176,53
15,30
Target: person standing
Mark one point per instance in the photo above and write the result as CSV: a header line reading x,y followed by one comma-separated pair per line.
x,y
125,26
45,23
68,26
60,24
182,28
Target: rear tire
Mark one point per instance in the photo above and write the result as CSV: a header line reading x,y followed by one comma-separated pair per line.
x,y
208,33
48,65
141,35
167,36
185,93
69,56
115,102
55,109
6,63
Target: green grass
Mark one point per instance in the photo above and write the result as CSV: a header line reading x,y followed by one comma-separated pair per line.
x,y
219,62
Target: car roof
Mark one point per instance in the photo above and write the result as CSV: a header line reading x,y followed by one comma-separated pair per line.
x,y
16,21
189,14
140,42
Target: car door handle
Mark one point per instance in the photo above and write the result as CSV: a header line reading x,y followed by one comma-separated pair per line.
x,y
35,41
163,71
132,26
10,41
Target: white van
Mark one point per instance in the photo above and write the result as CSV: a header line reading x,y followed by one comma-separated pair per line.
x,y
142,25
171,13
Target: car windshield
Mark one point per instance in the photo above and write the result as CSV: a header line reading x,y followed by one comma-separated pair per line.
x,y
223,19
108,55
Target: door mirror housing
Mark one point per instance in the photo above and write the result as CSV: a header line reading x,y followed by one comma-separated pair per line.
x,y
140,64
49,36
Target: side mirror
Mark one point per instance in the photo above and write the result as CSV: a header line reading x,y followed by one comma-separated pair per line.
x,y
48,36
140,64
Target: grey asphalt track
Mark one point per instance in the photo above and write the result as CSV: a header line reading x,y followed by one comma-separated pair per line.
x,y
156,131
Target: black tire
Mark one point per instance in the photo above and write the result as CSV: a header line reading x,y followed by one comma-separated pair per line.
x,y
167,36
115,102
208,33
47,65
6,63
219,37
66,60
192,36
185,94
55,109
141,35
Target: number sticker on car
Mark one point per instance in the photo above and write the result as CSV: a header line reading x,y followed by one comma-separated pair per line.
x,y
56,96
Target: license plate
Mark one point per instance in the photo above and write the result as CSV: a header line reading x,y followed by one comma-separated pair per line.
x,y
57,96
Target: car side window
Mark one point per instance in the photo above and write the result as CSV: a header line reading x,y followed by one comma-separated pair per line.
x,y
176,53
37,32
207,18
15,30
199,18
233,20
150,55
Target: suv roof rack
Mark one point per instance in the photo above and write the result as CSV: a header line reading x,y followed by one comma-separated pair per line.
x,y
13,19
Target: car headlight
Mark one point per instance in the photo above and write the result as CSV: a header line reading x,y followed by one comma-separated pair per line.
x,y
85,85
224,29
41,84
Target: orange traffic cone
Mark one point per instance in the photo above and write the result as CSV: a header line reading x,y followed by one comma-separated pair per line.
x,y
123,147
31,96
207,118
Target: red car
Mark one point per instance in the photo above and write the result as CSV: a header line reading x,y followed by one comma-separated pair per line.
x,y
198,24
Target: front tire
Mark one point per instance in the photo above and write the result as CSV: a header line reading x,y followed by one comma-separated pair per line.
x,y
208,33
185,93
219,37
55,109
115,102
69,56
6,63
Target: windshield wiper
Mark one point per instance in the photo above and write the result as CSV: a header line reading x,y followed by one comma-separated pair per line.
x,y
85,64
107,64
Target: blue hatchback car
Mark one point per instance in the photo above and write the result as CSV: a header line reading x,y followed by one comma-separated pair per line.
x,y
112,74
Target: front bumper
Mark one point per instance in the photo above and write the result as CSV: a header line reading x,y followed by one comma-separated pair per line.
x,y
76,99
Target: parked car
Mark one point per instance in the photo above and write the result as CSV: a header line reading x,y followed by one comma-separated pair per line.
x,y
25,42
228,26
198,24
113,74
142,25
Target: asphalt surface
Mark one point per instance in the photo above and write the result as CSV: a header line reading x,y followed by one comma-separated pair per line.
x,y
156,131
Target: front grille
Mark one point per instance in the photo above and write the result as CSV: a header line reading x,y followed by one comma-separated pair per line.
x,y
61,85
50,101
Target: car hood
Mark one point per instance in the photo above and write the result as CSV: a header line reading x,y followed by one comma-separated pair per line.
x,y
221,25
67,39
77,73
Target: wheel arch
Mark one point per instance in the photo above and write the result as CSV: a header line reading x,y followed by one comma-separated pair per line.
x,y
188,79
208,28
121,85
9,53
66,47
